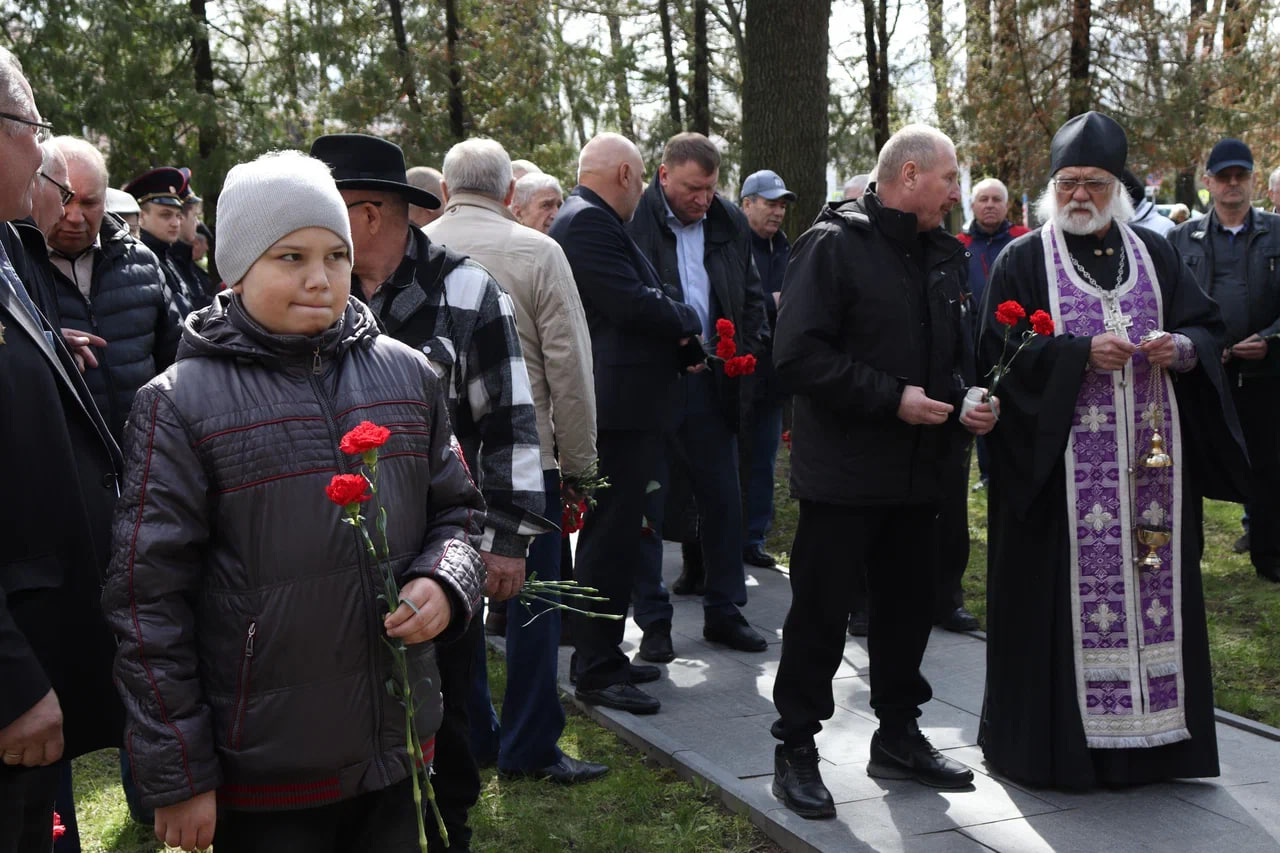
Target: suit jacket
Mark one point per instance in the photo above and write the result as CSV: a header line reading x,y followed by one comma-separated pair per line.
x,y
61,471
735,283
636,324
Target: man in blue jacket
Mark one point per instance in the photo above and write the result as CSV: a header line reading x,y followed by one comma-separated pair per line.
x,y
641,340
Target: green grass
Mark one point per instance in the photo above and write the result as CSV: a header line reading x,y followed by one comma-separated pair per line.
x,y
637,807
1243,611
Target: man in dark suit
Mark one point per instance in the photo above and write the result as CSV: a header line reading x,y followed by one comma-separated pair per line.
x,y
641,340
701,246
57,700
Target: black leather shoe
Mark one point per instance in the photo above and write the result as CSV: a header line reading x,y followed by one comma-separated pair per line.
x,y
1241,545
911,756
637,673
734,632
655,645
754,555
623,697
692,580
566,771
495,624
798,783
959,620
858,623
1272,574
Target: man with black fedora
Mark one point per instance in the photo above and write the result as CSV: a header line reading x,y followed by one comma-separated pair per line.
x,y
452,310
159,195
1233,253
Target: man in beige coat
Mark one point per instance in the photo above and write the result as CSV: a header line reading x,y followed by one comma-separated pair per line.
x,y
477,188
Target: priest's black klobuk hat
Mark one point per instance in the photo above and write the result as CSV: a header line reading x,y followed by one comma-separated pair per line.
x,y
159,186
1090,139
361,162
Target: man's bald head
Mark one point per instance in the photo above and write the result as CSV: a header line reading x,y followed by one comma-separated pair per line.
x,y
424,178
610,165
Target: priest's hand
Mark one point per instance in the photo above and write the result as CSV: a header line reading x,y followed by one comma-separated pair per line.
x,y
1110,352
1252,348
1160,351
918,408
981,419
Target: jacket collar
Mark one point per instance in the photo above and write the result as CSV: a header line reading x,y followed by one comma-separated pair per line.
x,y
593,198
718,227
900,227
975,230
776,243
460,202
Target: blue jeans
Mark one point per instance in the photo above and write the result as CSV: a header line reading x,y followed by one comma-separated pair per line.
x,y
765,425
532,717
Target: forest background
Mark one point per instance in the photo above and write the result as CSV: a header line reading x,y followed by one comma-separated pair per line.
x,y
809,88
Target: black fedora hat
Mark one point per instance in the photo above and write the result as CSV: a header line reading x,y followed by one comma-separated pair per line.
x,y
361,162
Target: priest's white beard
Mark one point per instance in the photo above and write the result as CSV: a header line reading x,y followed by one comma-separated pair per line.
x,y
1084,218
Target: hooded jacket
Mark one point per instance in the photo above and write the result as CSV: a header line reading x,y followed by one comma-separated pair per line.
x,y
250,630
872,306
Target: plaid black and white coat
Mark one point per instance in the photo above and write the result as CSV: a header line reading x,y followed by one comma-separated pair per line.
x,y
452,310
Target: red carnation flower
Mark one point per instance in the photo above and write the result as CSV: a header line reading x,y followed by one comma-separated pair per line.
x,y
786,438
742,365
364,437
724,328
726,349
1041,323
572,519
1009,313
346,490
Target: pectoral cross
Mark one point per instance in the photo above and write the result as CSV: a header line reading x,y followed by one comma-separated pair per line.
x,y
1115,321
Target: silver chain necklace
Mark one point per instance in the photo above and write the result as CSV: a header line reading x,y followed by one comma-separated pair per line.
x,y
1084,273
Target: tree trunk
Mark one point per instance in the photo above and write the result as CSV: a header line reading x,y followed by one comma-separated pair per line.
x,y
877,68
977,37
408,83
941,68
621,91
668,50
457,114
784,100
1080,96
202,63
700,114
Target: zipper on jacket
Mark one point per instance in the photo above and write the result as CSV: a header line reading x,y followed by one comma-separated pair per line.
x,y
366,583
236,735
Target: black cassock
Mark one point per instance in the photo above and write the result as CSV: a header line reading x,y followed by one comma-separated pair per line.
x,y
1031,728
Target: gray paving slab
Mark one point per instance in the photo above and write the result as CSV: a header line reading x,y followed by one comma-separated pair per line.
x,y
714,725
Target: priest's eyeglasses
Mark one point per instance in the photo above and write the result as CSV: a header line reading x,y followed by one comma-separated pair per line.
x,y
64,192
1092,185
41,129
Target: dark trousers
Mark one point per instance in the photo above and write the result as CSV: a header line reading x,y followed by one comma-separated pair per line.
x,y
457,778
703,444
951,551
832,541
26,808
608,557
1258,404
380,820
765,426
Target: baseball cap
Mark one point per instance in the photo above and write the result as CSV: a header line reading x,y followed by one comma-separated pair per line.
x,y
766,184
1227,153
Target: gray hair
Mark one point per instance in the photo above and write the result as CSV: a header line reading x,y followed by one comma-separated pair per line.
x,y
532,184
856,185
480,166
13,94
520,168
424,178
75,148
915,143
1119,208
1274,180
988,184
49,155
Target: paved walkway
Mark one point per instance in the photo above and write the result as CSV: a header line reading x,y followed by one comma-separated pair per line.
x,y
714,724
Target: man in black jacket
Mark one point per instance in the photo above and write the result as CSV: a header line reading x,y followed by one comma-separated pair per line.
x,y
57,700
641,340
159,194
701,248
871,341
110,285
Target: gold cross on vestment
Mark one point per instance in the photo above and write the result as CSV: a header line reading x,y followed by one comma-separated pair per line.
x,y
1115,320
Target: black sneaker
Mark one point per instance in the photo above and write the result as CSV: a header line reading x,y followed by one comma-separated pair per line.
x,y
655,645
798,782
754,555
858,623
911,756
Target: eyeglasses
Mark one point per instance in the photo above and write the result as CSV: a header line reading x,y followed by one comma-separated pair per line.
x,y
65,192
366,201
41,129
1092,185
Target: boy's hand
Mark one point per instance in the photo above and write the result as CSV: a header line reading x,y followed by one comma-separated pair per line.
x,y
434,612
188,824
